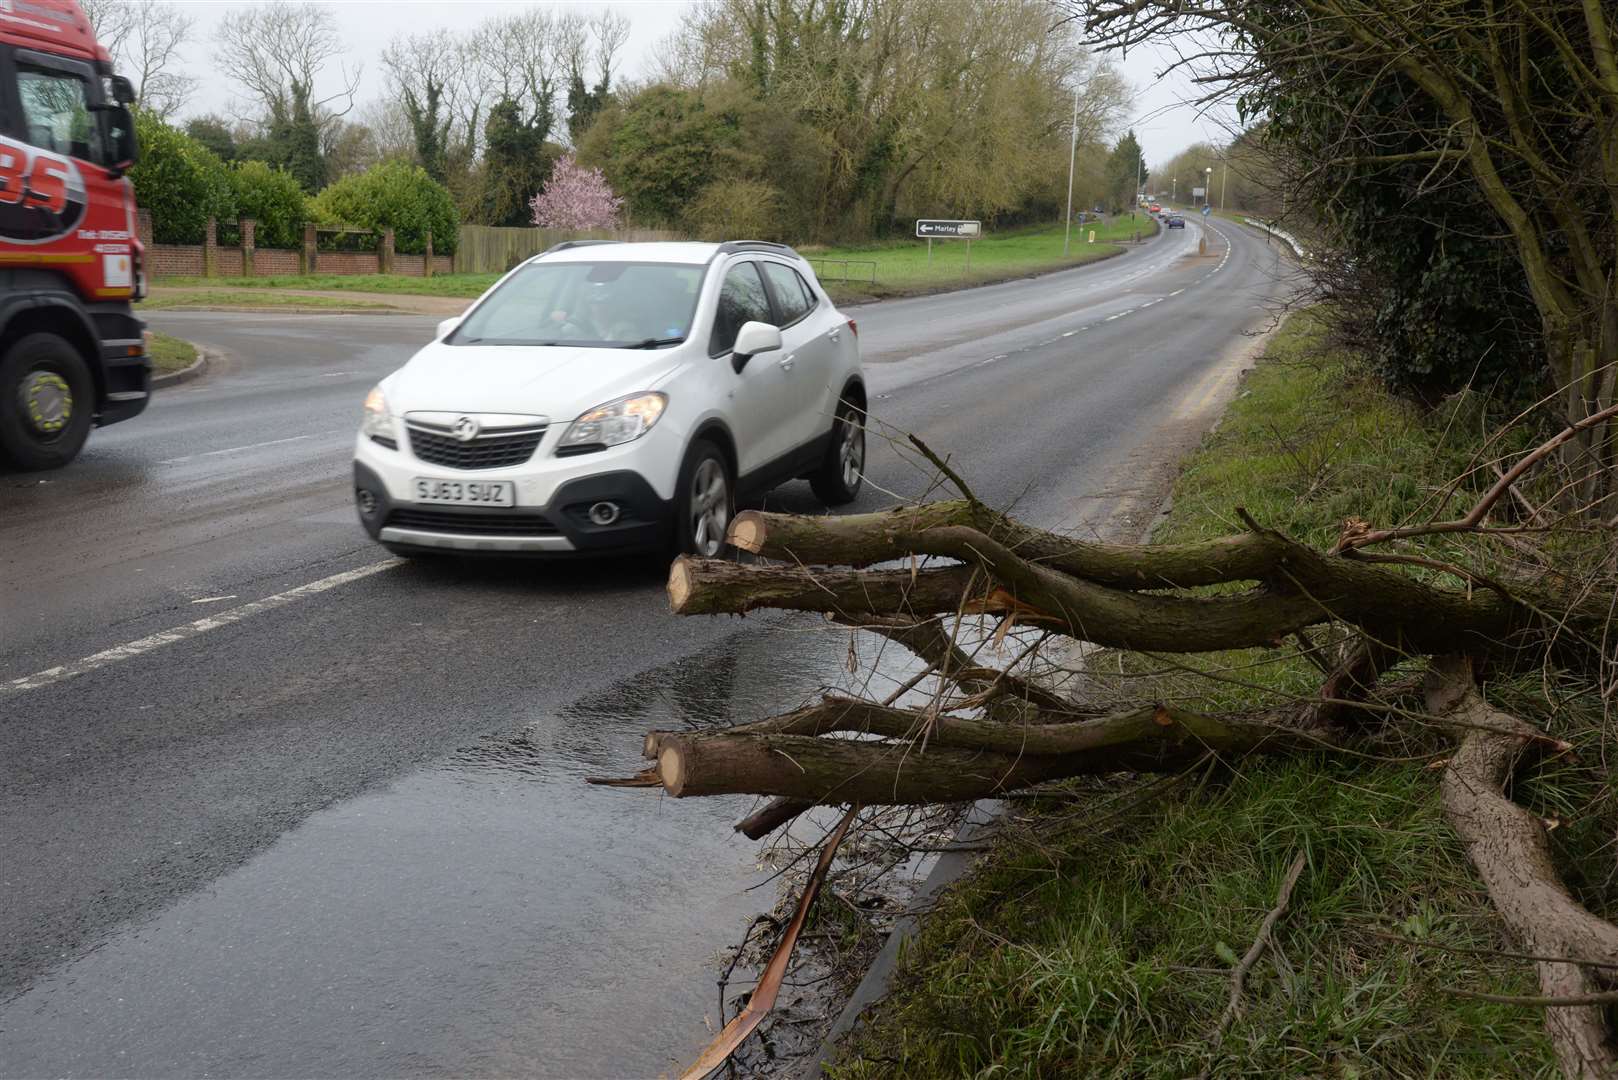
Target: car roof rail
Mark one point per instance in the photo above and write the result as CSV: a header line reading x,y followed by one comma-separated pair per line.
x,y
565,244
730,247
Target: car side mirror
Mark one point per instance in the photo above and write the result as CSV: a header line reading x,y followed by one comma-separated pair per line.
x,y
446,327
753,338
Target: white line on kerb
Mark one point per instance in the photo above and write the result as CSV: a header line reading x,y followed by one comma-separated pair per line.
x,y
189,630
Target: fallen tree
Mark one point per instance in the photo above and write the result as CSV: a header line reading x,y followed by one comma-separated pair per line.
x,y
916,575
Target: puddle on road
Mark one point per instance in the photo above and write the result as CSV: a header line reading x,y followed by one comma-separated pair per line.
x,y
488,915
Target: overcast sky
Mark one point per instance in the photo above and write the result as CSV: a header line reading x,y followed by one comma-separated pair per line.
x,y
1164,126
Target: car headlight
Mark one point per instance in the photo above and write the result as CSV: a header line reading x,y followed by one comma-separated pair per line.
x,y
378,422
615,423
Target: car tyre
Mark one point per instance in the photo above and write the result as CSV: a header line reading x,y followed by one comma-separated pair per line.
x,y
47,399
705,502
838,480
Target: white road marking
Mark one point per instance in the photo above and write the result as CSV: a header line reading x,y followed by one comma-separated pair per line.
x,y
189,630
1120,315
249,446
214,599
1176,292
1069,333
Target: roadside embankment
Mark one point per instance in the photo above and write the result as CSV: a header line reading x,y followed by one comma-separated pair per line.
x,y
1101,935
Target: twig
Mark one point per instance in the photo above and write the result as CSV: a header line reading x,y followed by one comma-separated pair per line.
x,y
1474,517
1600,997
1500,953
1238,978
943,467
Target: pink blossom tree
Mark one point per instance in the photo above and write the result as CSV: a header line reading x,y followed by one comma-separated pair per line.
x,y
576,198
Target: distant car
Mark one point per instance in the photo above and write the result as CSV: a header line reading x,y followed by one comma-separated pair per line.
x,y
1098,210
1175,221
1154,208
606,397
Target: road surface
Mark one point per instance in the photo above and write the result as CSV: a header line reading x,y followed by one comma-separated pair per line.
x,y
277,804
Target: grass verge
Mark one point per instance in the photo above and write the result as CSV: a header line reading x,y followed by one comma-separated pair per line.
x,y
1100,936
170,354
251,298
468,286
902,267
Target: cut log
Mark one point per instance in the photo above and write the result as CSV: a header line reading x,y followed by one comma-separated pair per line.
x,y
1512,854
859,540
879,773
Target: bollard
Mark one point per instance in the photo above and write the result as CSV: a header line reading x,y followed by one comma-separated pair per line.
x,y
1092,236
1202,244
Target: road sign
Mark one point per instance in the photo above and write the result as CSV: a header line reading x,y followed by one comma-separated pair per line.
x,y
961,229
1197,193
1206,210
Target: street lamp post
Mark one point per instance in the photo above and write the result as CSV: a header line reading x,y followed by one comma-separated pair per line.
x,y
1174,189
1072,152
1207,183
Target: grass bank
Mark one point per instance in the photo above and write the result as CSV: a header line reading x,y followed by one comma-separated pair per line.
x,y
468,286
1099,938
233,297
901,268
170,354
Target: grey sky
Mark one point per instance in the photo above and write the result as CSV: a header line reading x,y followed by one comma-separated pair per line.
x,y
1164,127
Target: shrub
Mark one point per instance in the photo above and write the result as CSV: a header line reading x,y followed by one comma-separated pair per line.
x,y
394,195
180,181
736,209
274,199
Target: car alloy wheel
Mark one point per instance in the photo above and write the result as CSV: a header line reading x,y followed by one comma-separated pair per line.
x,y
710,508
851,450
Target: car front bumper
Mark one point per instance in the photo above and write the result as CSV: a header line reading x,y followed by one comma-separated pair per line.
x,y
553,512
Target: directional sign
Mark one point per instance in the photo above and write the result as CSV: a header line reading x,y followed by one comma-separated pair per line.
x,y
1206,210
963,229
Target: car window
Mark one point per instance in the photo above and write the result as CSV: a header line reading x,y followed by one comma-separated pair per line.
x,y
741,300
809,298
57,115
592,304
788,289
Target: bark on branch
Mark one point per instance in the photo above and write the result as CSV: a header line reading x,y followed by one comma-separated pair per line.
x,y
1511,852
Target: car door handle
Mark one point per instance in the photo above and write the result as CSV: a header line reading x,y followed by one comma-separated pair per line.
x,y
833,335
786,365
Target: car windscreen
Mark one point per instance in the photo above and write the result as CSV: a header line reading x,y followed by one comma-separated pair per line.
x,y
604,305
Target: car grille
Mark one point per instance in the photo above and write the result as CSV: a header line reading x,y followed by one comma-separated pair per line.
x,y
484,523
492,451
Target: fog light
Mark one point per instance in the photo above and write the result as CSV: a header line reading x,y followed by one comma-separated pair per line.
x,y
366,500
604,513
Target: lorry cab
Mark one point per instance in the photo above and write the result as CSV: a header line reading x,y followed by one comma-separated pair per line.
x,y
71,349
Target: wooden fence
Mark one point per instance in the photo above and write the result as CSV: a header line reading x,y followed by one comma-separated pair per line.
x,y
492,249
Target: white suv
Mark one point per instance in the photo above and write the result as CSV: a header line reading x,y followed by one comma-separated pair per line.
x,y
607,397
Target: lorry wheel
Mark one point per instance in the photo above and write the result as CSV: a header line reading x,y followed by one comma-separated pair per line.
x,y
46,402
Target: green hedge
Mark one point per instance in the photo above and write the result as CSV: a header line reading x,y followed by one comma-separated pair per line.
x,y
273,198
180,181
393,195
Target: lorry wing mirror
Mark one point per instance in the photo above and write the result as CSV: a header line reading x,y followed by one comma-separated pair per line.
x,y
123,91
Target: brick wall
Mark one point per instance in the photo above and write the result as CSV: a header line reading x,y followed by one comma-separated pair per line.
x,y
172,260
346,262
268,262
230,261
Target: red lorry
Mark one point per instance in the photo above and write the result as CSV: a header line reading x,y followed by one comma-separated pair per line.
x,y
72,352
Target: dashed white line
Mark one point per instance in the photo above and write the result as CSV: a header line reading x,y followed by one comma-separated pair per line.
x,y
249,446
189,630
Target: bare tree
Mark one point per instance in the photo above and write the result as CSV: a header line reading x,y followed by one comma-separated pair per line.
x,y
427,77
277,51
144,38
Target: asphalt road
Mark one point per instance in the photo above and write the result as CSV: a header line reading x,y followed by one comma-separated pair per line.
x,y
276,804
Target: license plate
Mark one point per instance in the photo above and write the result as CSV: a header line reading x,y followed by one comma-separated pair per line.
x,y
466,492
